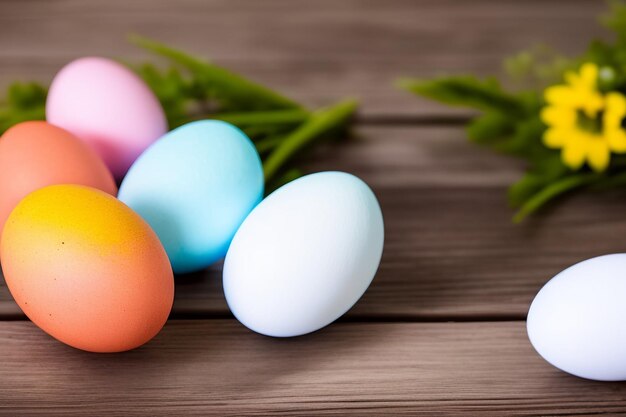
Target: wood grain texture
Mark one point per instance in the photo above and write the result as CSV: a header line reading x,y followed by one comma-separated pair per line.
x,y
314,51
451,251
220,368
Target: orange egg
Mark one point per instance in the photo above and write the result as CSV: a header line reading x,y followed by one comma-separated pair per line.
x,y
36,154
86,269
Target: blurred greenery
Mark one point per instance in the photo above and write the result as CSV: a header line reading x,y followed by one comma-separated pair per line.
x,y
509,120
190,89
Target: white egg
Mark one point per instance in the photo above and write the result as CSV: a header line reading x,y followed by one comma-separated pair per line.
x,y
577,322
304,255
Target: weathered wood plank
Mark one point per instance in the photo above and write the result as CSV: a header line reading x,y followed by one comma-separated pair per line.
x,y
451,250
218,367
314,51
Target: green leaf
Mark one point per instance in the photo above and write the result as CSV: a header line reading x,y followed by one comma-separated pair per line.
x,y
526,142
490,127
466,91
232,90
515,136
542,172
552,191
525,188
24,101
10,117
26,95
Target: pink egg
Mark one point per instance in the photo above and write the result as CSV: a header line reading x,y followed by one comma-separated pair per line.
x,y
109,107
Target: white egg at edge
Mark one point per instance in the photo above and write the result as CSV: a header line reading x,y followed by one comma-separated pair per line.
x,y
577,321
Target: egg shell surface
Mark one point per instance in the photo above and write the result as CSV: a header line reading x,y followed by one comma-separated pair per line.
x,y
109,107
86,269
576,321
195,186
36,154
305,255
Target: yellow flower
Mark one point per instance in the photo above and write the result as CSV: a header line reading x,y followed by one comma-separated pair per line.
x,y
584,123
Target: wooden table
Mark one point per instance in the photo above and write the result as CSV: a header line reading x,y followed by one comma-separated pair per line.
x,y
441,330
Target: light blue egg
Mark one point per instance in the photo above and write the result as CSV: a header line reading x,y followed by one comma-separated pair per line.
x,y
195,186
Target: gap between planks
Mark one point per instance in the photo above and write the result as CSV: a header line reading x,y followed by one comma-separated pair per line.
x,y
12,314
418,120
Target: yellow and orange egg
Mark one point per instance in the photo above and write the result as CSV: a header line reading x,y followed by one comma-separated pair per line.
x,y
86,269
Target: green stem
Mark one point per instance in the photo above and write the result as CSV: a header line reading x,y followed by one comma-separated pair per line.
x,y
465,91
318,123
552,191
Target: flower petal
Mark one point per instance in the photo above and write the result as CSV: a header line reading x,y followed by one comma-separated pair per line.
x,y
589,75
574,153
558,116
561,95
615,110
598,154
555,137
616,140
616,103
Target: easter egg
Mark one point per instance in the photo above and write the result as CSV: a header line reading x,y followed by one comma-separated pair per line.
x,y
305,255
107,106
576,321
86,269
194,187
37,154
